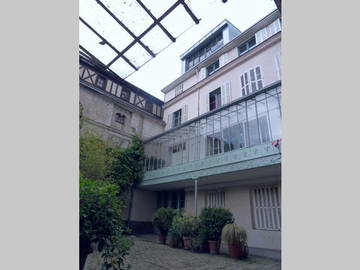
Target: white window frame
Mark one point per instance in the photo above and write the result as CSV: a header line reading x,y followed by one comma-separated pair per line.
x,y
266,207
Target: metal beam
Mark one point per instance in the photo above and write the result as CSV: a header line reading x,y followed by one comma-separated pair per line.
x,y
167,12
120,54
126,28
153,17
192,15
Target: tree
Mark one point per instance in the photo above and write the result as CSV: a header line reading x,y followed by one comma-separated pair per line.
x,y
127,169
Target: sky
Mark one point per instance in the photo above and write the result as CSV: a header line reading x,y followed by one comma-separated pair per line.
x,y
160,71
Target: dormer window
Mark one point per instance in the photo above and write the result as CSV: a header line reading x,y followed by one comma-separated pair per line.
x,y
204,51
212,68
120,118
243,48
100,82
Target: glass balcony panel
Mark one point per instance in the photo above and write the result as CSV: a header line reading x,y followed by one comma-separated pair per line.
x,y
244,123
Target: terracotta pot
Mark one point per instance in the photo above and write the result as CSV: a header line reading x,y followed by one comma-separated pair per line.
x,y
162,239
214,247
187,242
235,251
173,243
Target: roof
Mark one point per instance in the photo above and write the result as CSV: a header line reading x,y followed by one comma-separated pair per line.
x,y
99,67
125,35
207,37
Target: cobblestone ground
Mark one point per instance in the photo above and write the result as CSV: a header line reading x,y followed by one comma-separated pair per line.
x,y
148,255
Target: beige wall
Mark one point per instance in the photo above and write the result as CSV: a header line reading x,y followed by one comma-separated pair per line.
x,y
237,199
196,100
99,112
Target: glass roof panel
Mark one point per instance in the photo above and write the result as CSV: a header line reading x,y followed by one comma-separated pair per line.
x,y
122,68
137,55
98,18
91,43
131,14
171,22
156,39
158,8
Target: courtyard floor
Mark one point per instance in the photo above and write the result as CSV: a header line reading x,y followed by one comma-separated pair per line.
x,y
146,254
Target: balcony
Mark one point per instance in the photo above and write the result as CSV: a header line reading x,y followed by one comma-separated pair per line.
x,y
234,137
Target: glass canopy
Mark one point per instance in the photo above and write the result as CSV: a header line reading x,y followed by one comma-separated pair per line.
x,y
124,35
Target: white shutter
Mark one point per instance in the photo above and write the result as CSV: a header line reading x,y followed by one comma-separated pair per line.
x,y
223,59
169,121
228,92
244,80
207,108
202,73
261,35
184,113
252,76
278,65
223,95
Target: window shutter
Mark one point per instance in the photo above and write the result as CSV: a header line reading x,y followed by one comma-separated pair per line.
x,y
169,121
278,65
207,97
245,85
259,78
223,60
202,74
228,92
184,113
252,80
223,95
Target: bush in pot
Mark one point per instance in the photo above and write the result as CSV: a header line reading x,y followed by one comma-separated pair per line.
x,y
188,226
163,218
213,219
175,231
236,238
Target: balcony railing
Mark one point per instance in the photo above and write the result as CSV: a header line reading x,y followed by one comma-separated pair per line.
x,y
244,123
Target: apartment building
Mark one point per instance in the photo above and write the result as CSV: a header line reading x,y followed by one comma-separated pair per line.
x,y
221,141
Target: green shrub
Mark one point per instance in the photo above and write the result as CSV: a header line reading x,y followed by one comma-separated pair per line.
x,y
93,158
175,230
213,219
234,235
101,220
163,218
188,225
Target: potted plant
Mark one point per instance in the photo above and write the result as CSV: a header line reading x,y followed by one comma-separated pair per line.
x,y
213,219
162,221
175,232
236,238
188,226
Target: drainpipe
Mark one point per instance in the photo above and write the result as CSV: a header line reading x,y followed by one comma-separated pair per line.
x,y
195,202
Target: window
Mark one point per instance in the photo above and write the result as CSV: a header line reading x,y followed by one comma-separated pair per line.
x,y
148,106
125,94
100,82
215,43
251,81
178,147
215,99
177,118
215,199
178,89
174,199
247,45
120,118
212,68
266,206
268,31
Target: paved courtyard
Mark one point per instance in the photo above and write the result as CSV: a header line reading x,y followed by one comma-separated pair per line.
x,y
149,255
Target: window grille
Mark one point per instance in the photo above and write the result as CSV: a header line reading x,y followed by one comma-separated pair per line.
x,y
120,118
178,89
266,204
177,118
100,82
215,199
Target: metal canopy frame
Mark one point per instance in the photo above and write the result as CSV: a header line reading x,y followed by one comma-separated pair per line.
x,y
136,38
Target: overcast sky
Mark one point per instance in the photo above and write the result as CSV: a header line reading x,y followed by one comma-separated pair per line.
x,y
166,66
